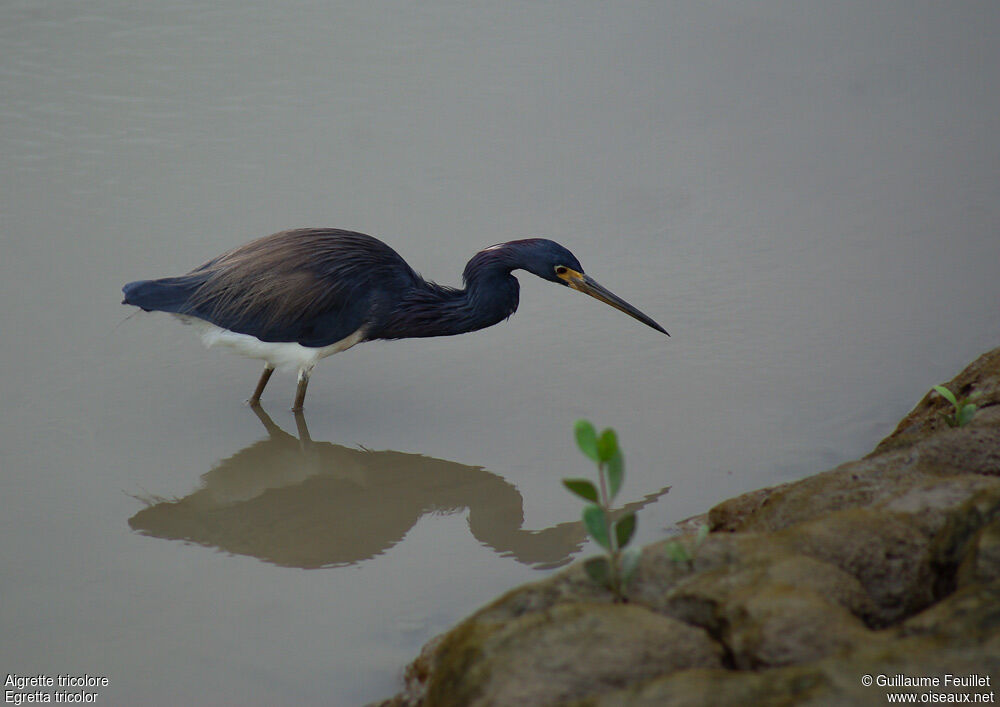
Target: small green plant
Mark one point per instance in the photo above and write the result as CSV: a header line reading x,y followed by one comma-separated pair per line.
x,y
680,552
617,568
963,410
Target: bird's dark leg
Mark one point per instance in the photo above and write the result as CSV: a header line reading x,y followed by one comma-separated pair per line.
x,y
300,391
261,384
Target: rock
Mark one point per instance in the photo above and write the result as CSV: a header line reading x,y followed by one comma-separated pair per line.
x,y
784,625
888,565
775,612
933,504
971,615
981,563
944,470
832,682
728,515
887,554
982,376
560,653
964,536
960,635
720,688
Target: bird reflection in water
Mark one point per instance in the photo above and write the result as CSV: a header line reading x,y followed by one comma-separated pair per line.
x,y
296,502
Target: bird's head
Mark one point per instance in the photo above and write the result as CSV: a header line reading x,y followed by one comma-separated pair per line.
x,y
551,261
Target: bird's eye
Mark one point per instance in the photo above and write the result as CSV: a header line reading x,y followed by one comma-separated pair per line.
x,y
561,270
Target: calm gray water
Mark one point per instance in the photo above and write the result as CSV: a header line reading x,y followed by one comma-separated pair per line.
x,y
804,194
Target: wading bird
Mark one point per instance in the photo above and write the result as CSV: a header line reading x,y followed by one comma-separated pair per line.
x,y
295,297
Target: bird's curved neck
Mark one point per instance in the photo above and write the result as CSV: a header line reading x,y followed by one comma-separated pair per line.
x,y
490,296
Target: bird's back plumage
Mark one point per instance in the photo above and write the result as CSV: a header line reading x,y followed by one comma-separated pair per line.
x,y
309,286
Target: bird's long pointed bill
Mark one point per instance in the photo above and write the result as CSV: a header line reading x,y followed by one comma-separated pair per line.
x,y
589,286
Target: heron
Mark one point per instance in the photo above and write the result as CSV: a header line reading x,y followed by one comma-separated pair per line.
x,y
295,297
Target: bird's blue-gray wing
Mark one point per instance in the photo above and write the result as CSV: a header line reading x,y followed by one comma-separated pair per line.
x,y
310,286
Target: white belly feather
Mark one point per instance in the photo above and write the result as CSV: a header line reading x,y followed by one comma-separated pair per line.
x,y
288,356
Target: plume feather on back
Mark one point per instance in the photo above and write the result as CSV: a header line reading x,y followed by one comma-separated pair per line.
x,y
282,281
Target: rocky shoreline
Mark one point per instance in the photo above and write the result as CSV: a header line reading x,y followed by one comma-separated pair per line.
x,y
885,569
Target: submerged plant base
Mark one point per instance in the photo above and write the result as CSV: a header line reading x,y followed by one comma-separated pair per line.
x,y
885,566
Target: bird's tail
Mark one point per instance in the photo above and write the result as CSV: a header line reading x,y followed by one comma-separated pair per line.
x,y
169,294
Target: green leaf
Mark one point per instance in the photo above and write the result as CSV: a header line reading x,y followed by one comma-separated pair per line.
x,y
598,570
702,534
593,519
582,488
630,563
586,439
678,553
616,473
946,394
607,445
966,414
624,529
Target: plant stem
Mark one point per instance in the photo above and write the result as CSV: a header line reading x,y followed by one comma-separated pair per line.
x,y
606,503
604,489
